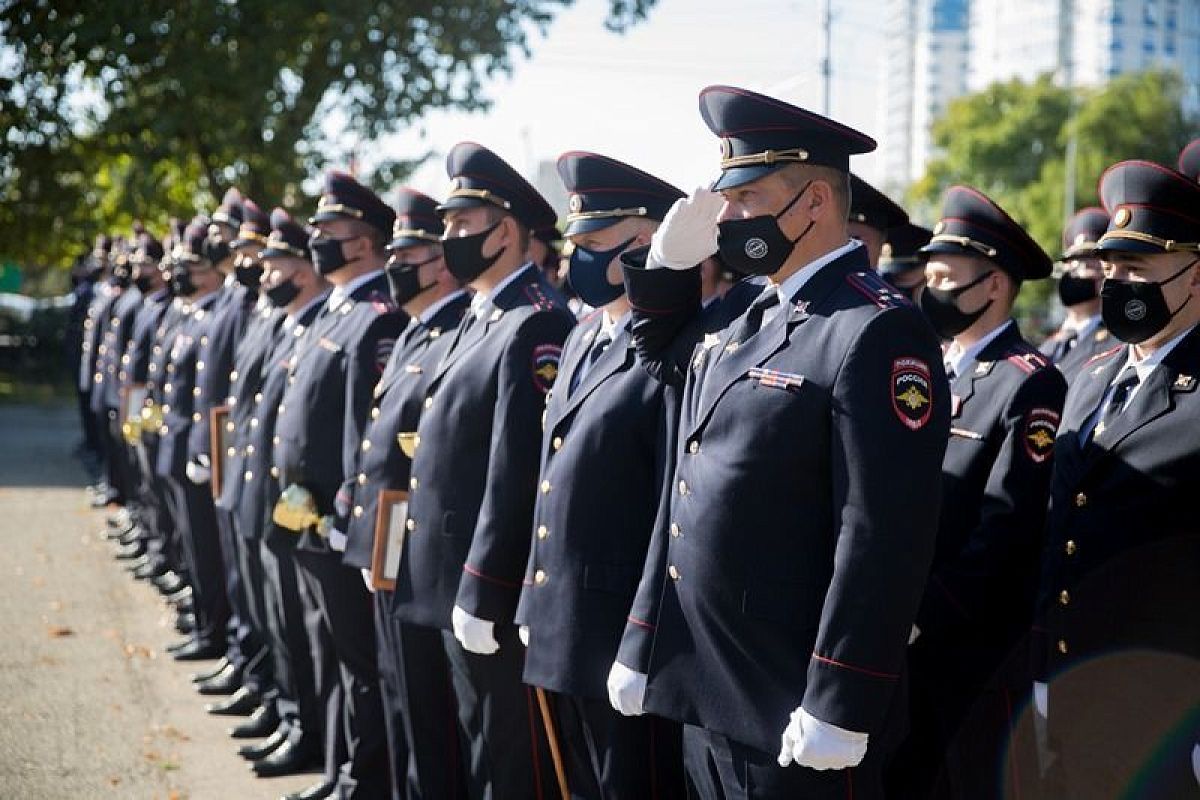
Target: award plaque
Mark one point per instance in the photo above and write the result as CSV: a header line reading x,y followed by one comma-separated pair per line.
x,y
391,519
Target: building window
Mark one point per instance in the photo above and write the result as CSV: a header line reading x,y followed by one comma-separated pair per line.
x,y
1148,47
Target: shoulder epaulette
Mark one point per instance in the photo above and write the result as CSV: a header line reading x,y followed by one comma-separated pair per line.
x,y
1025,358
538,298
1105,354
871,286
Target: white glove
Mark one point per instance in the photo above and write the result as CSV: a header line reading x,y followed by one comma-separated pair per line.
x,y
197,473
811,743
626,690
523,634
366,573
474,634
337,540
913,634
688,233
1041,699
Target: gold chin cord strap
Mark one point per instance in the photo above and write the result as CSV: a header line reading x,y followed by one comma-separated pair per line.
x,y
965,241
767,157
1169,245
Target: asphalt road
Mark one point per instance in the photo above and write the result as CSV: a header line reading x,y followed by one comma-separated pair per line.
x,y
92,706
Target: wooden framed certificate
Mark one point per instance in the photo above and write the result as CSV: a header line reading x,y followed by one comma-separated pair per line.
x,y
391,520
220,432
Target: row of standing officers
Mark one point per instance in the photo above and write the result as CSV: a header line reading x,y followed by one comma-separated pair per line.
x,y
833,529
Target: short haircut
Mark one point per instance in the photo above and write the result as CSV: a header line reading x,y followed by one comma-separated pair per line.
x,y
795,176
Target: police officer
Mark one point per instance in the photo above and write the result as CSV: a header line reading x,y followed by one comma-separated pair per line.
x,y
474,471
321,418
899,263
1005,406
1082,333
293,286
792,549
415,678
604,453
1117,647
872,215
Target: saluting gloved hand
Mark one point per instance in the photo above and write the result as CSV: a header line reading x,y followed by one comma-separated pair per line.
x,y
688,233
474,634
197,473
523,634
626,690
811,743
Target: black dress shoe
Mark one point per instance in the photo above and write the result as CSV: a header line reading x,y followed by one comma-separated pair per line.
x,y
227,681
205,674
180,595
262,722
131,552
134,534
256,751
152,570
287,759
176,646
197,651
318,791
239,704
185,623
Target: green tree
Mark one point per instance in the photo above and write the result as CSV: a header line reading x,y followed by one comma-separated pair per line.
x,y
120,110
1010,142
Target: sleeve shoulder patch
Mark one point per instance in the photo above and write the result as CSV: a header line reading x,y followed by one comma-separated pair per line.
x,y
545,366
912,392
1101,356
1039,432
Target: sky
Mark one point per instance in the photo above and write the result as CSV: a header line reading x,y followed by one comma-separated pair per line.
x,y
634,96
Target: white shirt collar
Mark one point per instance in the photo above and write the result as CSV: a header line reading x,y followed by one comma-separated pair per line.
x,y
957,358
230,280
480,300
340,293
1085,328
795,282
428,314
1146,365
609,326
291,320
157,294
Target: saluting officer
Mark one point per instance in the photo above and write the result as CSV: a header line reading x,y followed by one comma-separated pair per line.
x,y
320,423
1006,400
774,612
417,696
1082,333
292,285
1117,645
872,215
899,262
474,472
604,452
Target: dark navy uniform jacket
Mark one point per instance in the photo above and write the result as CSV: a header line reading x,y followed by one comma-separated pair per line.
x,y
324,408
173,317
120,331
257,440
395,409
801,514
215,361
1084,349
603,452
178,395
1005,412
94,327
1121,566
474,473
135,366
245,390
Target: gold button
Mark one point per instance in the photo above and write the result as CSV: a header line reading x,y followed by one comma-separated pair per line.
x,y
683,487
274,472
375,413
231,451
249,476
428,402
1064,597
166,409
167,387
673,572
362,479
199,366
1080,500
545,487
557,443
249,449
281,408
358,511
366,445
254,424
196,417
258,397
274,440
170,367
694,447
412,483
1062,646
229,427
676,531
539,577
233,376
411,524
195,391
1071,548
542,532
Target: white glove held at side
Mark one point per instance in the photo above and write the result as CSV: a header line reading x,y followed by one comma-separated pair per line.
x,y
196,473
626,690
809,742
688,233
523,634
474,634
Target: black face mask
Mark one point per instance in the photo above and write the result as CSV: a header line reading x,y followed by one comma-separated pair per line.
x,y
327,254
181,282
216,250
941,307
757,245
248,274
1136,310
405,281
121,277
142,282
464,255
588,274
282,295
1073,290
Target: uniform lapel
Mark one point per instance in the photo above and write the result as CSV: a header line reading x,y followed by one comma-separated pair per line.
x,y
619,356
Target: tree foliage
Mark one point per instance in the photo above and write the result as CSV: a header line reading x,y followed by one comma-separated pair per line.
x,y
146,109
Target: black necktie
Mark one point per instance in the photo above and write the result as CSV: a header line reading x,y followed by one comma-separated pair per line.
x,y
1124,385
599,346
752,320
1064,345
